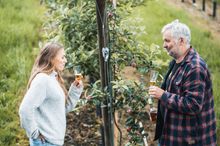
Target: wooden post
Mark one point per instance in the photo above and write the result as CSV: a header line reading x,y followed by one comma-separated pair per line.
x,y
114,3
104,70
106,123
214,8
203,5
116,130
182,0
194,1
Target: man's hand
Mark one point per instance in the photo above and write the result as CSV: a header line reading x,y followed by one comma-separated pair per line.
x,y
155,92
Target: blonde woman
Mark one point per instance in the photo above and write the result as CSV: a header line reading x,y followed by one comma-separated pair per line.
x,y
46,102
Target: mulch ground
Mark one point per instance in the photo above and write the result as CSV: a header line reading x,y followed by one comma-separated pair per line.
x,y
83,128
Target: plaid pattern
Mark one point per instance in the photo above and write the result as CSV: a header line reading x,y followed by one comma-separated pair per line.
x,y
186,109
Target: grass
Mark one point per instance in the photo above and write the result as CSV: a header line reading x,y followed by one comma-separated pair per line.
x,y
155,14
19,25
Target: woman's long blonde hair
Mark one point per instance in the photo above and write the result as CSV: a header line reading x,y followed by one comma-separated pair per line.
x,y
43,63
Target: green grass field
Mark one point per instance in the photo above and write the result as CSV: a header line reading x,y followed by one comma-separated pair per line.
x,y
20,23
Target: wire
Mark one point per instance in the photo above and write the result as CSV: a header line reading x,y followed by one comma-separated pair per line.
x,y
102,22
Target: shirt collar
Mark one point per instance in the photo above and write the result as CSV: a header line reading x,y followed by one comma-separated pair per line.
x,y
187,58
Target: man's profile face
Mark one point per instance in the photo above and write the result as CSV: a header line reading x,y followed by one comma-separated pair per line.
x,y
170,44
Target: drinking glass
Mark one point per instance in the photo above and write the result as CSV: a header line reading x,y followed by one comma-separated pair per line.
x,y
153,79
77,73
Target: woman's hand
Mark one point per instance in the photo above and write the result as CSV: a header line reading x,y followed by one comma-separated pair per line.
x,y
155,92
41,137
78,83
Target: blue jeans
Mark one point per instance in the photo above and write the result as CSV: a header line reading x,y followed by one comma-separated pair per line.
x,y
38,142
158,143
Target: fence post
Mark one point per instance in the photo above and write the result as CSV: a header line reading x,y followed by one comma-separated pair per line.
x,y
182,0
194,1
104,62
203,5
214,8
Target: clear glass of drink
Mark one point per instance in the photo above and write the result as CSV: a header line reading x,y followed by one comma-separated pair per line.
x,y
153,79
77,73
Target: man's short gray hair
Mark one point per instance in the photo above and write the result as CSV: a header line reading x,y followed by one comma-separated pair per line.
x,y
178,30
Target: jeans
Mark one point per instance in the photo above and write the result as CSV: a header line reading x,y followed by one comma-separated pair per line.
x,y
158,143
38,142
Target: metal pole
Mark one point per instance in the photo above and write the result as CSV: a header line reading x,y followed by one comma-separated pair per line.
x,y
104,66
203,5
214,8
106,123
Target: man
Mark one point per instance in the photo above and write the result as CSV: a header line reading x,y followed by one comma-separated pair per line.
x,y
185,101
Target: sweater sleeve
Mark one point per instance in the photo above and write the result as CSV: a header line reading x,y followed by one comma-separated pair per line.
x,y
33,98
73,97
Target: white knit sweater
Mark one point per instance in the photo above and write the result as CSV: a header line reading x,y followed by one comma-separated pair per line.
x,y
43,109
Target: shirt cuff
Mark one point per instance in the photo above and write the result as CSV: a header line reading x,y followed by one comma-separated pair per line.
x,y
35,134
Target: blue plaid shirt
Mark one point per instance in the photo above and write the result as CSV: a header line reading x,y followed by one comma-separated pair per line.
x,y
186,109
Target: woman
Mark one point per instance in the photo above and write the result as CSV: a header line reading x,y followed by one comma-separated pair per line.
x,y
46,102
